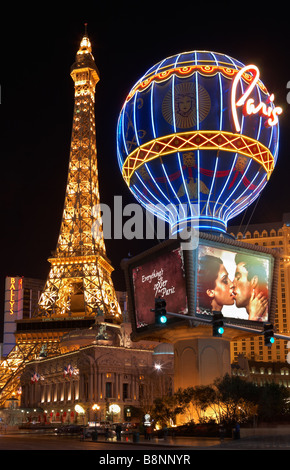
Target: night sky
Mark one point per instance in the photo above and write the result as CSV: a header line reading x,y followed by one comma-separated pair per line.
x,y
37,98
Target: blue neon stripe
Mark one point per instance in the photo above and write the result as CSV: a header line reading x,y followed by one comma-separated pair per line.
x,y
260,120
174,127
148,203
152,101
244,202
152,110
123,129
217,157
165,209
197,127
173,190
234,162
235,188
221,93
225,186
158,187
134,119
253,196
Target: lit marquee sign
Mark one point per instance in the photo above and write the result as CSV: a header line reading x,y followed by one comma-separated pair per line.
x,y
13,294
198,133
13,310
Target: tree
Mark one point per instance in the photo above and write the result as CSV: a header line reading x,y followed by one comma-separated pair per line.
x,y
272,401
237,398
203,398
166,408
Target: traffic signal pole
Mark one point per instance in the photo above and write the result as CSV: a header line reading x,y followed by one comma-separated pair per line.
x,y
228,325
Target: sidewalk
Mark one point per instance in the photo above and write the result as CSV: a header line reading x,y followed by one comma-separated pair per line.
x,y
166,442
275,438
251,439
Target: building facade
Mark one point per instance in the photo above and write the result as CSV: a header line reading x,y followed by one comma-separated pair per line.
x,y
275,236
262,373
100,376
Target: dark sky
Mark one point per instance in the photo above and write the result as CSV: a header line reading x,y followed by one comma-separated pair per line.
x,y
37,97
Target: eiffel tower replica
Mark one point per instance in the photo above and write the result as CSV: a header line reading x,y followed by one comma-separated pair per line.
x,y
79,290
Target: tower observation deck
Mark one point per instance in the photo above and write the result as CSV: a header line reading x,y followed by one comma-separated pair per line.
x,y
79,287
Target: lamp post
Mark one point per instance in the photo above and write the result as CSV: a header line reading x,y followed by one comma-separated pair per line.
x,y
95,408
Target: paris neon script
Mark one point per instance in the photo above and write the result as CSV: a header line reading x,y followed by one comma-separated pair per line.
x,y
248,104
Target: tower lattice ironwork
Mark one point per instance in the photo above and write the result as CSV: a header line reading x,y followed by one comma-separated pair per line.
x,y
80,276
79,288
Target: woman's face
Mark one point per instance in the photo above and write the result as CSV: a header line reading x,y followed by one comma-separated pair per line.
x,y
223,293
184,104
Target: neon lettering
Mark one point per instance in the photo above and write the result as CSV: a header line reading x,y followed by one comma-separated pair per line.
x,y
12,301
249,107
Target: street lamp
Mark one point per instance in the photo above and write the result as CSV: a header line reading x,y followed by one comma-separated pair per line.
x,y
96,408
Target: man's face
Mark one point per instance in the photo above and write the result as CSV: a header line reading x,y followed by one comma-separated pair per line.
x,y
242,287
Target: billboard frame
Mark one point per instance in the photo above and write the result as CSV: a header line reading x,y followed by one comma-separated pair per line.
x,y
129,264
223,242
229,244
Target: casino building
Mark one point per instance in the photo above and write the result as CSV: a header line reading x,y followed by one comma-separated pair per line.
x,y
275,236
100,375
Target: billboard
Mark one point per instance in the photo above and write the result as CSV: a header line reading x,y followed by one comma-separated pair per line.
x,y
159,276
159,272
235,281
221,274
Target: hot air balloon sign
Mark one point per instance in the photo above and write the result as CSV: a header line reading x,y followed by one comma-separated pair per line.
x,y
197,139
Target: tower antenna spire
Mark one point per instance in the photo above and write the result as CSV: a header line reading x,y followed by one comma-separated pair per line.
x,y
86,32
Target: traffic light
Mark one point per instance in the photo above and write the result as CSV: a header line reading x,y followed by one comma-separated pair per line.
x,y
268,334
160,311
217,324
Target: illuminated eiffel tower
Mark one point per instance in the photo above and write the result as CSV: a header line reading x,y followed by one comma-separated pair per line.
x,y
79,288
80,277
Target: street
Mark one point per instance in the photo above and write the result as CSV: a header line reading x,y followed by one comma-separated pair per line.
x,y
178,445
25,441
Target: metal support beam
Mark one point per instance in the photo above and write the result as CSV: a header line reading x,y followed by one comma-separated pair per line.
x,y
228,325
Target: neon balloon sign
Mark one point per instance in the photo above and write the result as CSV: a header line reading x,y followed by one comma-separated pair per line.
x,y
248,104
191,134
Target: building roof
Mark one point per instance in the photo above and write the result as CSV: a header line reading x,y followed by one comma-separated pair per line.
x,y
261,226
